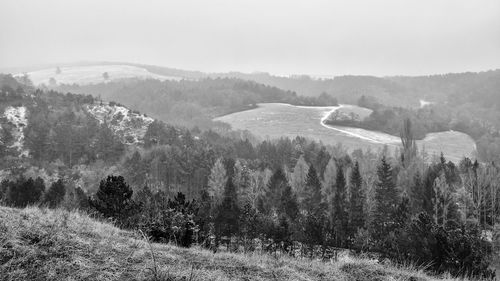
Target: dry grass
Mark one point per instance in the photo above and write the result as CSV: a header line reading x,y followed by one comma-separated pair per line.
x,y
41,244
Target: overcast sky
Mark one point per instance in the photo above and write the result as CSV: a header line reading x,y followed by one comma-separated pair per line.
x,y
383,37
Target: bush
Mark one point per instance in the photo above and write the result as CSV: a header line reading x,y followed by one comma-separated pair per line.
x,y
457,249
166,220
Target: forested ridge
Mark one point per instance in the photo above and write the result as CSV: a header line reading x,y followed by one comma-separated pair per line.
x,y
227,192
193,102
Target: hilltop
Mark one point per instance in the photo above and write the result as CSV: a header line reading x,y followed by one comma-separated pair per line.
x,y
44,244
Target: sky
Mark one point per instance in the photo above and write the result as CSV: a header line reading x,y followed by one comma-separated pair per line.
x,y
283,37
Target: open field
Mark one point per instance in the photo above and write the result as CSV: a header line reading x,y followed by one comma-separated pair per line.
x,y
92,74
274,120
42,244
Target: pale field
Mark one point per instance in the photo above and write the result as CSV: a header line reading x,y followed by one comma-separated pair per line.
x,y
83,75
275,120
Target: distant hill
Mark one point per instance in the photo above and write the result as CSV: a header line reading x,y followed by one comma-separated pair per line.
x,y
453,88
43,244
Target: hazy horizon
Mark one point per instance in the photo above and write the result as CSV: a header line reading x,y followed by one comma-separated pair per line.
x,y
318,38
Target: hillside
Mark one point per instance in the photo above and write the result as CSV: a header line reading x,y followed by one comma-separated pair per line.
x,y
43,244
91,74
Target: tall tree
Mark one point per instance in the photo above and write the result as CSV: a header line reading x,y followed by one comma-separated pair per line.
x,y
228,212
340,216
409,144
55,194
299,177
329,177
356,212
386,201
217,181
313,190
275,187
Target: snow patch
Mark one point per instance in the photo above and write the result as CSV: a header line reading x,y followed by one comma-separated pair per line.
x,y
17,116
129,126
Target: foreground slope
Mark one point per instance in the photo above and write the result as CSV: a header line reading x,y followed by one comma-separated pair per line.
x,y
41,244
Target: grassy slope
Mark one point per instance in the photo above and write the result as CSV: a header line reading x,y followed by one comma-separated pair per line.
x,y
41,244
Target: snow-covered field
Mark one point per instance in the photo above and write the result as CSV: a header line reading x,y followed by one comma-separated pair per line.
x,y
129,126
274,120
17,116
92,74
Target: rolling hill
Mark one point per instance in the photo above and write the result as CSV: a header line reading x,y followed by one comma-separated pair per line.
x,y
91,74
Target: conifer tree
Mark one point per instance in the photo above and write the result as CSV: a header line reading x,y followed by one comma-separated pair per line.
x,y
228,212
340,216
356,213
288,204
275,187
55,194
386,200
415,195
113,199
313,190
23,192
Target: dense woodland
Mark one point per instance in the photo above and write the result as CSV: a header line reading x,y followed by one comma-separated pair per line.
x,y
226,192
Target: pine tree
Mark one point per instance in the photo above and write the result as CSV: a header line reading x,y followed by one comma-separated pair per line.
x,y
288,204
113,199
356,212
228,212
275,187
24,192
386,201
416,194
313,190
340,216
55,194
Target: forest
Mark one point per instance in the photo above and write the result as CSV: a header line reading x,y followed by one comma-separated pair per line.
x,y
227,192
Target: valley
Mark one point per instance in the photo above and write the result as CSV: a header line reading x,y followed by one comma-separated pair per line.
x,y
275,120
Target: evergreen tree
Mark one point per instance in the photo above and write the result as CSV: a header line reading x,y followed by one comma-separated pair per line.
x,y
24,192
113,199
386,201
288,204
340,216
55,194
356,212
313,190
228,212
415,195
275,187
